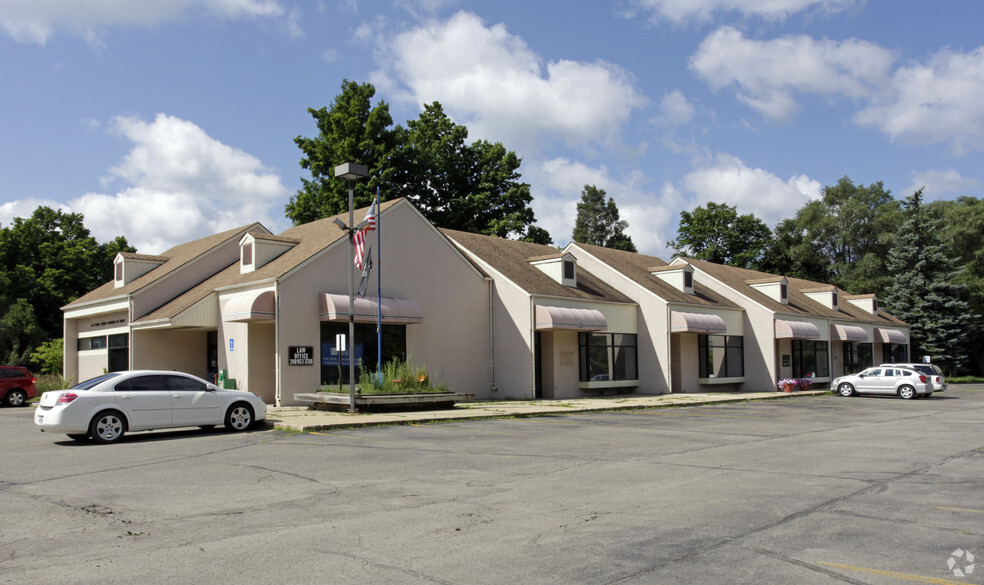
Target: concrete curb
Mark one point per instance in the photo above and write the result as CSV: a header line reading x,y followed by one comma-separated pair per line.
x,y
302,419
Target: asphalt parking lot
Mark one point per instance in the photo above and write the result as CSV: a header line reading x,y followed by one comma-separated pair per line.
x,y
819,489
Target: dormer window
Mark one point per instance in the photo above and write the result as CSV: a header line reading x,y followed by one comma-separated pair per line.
x,y
775,287
833,297
868,303
679,276
562,267
256,249
128,267
825,295
247,254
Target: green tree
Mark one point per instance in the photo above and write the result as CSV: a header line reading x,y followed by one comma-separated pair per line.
x,y
717,233
47,357
474,188
598,221
842,238
19,333
351,131
46,261
962,231
924,293
471,187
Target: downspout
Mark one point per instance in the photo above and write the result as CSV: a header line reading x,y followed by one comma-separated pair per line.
x,y
276,342
492,387
669,351
533,347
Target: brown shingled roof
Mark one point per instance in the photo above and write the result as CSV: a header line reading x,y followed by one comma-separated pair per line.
x,y
640,268
511,258
799,303
174,259
312,238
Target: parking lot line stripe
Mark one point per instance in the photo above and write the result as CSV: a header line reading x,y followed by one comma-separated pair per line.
x,y
960,509
903,576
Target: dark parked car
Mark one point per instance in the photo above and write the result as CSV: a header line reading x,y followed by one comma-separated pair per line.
x,y
16,386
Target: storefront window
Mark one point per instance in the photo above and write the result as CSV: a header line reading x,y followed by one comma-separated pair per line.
x,y
607,356
810,359
857,356
335,367
895,353
721,356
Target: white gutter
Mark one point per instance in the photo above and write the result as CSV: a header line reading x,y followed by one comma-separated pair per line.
x,y
276,343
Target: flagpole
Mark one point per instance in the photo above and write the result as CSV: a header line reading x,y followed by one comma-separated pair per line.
x,y
379,294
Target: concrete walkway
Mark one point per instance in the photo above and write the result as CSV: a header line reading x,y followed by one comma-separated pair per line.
x,y
300,418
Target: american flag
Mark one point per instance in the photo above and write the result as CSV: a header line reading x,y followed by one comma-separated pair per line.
x,y
360,236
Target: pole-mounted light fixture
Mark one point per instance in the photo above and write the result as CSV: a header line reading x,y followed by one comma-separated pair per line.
x,y
351,172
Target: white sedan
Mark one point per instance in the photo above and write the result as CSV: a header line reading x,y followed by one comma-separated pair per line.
x,y
107,406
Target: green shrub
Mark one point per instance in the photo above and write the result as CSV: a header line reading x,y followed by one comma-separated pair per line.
x,y
399,377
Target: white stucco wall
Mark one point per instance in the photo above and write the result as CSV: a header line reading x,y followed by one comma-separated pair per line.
x,y
417,263
162,349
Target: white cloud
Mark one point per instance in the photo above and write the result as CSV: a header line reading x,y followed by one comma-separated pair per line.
x,y
497,86
940,101
651,216
675,109
34,21
768,73
685,11
728,180
935,183
24,208
182,185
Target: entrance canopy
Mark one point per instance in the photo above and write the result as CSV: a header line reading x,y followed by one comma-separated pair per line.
x,y
335,307
796,330
848,333
890,336
548,318
249,306
682,322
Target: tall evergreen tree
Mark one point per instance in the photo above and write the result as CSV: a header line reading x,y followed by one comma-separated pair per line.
x,y
924,292
598,221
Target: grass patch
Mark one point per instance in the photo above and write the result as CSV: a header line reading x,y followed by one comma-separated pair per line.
x,y
49,382
964,380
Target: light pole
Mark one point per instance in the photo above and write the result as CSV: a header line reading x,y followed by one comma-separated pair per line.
x,y
351,172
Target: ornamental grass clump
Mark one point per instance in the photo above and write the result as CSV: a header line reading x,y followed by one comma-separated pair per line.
x,y
399,377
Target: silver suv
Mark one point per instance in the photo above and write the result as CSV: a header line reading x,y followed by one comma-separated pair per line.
x,y
905,383
931,371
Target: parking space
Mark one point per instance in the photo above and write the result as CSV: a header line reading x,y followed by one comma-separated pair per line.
x,y
813,490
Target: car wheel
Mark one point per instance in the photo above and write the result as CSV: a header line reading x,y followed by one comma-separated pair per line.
x,y
107,427
845,389
907,392
16,398
78,437
239,417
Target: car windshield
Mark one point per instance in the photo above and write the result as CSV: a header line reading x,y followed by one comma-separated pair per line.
x,y
92,382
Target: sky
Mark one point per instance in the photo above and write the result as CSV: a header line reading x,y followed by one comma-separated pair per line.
x,y
169,120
